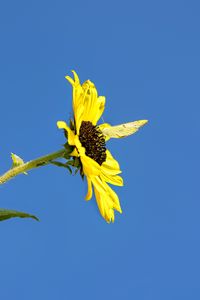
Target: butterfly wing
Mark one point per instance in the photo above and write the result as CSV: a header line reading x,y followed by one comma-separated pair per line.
x,y
123,130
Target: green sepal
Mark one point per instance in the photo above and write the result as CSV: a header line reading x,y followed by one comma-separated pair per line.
x,y
77,169
81,173
7,214
72,125
68,149
60,164
75,162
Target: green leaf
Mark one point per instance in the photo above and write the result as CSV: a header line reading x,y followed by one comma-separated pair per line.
x,y
7,214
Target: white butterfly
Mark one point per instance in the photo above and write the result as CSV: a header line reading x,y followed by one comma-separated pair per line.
x,y
122,130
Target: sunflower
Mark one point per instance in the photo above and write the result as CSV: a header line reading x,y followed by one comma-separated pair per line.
x,y
89,146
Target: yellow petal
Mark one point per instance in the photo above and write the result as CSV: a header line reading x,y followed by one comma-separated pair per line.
x,y
70,80
74,153
90,101
93,105
99,203
90,167
110,166
113,179
87,105
74,81
107,199
101,127
71,135
100,108
104,206
80,148
103,202
77,99
89,193
78,115
76,78
114,198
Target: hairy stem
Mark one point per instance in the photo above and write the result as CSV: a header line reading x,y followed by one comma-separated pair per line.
x,y
38,162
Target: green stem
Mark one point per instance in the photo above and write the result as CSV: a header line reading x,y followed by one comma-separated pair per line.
x,y
38,162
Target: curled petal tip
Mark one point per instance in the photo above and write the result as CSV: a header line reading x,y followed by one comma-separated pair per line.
x,y
76,78
70,80
61,124
74,81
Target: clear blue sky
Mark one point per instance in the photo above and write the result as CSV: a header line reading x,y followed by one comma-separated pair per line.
x,y
144,56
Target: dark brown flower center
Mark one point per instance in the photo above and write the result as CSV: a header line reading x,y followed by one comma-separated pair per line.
x,y
93,141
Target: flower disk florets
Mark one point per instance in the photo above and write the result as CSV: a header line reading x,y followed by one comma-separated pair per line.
x,y
93,141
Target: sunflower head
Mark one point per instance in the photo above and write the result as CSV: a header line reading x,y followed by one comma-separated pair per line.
x,y
86,146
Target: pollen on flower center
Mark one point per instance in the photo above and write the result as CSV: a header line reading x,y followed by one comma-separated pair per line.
x,y
93,141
